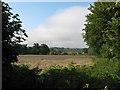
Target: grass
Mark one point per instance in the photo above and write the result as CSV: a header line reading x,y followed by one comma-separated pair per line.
x,y
101,74
104,73
45,61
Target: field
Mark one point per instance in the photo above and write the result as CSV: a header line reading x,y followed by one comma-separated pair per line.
x,y
44,61
96,73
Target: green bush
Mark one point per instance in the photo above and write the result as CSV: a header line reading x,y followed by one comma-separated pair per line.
x,y
63,77
73,54
21,77
104,73
64,53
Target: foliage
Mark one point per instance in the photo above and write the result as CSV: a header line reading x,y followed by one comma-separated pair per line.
x,y
104,71
44,49
102,75
91,51
97,76
103,22
73,53
103,28
64,53
36,49
85,50
21,77
12,35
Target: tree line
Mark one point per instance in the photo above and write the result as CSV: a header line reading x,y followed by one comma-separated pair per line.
x,y
102,36
36,49
44,49
102,32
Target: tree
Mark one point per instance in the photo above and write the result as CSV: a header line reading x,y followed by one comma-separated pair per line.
x,y
44,49
23,49
12,35
85,50
102,31
36,48
40,49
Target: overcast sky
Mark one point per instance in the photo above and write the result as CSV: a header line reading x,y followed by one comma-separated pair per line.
x,y
54,24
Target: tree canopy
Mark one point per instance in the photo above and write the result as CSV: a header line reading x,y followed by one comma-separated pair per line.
x,y
43,49
12,34
102,31
36,49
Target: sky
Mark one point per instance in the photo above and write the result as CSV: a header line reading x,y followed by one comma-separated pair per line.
x,y
57,24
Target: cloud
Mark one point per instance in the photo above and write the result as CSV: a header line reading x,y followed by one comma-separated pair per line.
x,y
63,29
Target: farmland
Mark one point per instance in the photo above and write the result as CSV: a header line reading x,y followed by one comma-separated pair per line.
x,y
44,61
97,72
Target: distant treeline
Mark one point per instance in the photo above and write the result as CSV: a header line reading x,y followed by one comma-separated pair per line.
x,y
36,49
43,49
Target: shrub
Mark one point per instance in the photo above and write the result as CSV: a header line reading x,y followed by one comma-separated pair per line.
x,y
64,53
21,77
104,73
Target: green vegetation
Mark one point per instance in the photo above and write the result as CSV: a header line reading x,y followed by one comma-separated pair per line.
x,y
36,49
20,77
43,49
85,50
101,74
103,29
102,37
12,35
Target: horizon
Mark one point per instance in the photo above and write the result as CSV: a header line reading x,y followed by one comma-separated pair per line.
x,y
57,24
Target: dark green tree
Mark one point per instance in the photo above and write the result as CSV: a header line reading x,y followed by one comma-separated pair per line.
x,y
23,49
44,49
102,31
36,49
85,50
12,35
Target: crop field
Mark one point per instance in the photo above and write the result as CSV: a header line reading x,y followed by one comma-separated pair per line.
x,y
44,61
